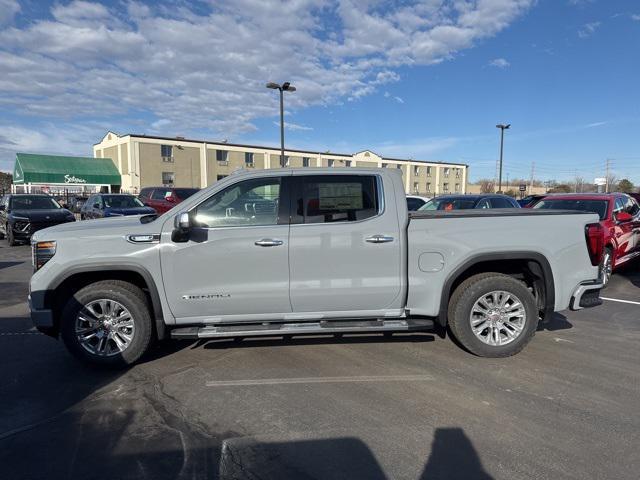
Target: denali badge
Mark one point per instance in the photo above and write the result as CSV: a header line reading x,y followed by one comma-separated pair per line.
x,y
206,296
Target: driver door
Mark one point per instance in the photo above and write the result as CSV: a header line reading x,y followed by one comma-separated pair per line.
x,y
236,261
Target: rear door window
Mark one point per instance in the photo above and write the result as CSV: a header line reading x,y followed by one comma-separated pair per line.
x,y
337,198
160,194
499,202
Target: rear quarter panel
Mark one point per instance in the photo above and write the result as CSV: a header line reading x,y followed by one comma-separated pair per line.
x,y
439,246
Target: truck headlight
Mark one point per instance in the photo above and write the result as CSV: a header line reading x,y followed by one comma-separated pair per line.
x,y
42,253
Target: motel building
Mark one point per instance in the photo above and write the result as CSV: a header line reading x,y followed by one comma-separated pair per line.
x,y
61,175
149,161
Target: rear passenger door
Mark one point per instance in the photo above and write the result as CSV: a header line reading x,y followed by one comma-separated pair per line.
x,y
344,247
623,231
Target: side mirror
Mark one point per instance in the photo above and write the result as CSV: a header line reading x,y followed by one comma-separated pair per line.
x,y
182,226
623,217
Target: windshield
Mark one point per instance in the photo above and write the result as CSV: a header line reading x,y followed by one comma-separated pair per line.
x,y
33,202
596,206
184,193
121,201
448,204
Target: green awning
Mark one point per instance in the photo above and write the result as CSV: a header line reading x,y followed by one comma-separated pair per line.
x,y
54,169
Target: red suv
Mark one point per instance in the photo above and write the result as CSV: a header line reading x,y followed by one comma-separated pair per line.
x,y
620,220
163,199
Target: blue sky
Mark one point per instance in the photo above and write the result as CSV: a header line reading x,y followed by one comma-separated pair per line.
x,y
425,80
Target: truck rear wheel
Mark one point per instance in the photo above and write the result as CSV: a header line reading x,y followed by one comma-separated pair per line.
x,y
107,323
493,315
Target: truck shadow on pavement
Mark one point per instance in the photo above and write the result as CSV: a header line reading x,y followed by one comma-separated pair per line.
x,y
556,322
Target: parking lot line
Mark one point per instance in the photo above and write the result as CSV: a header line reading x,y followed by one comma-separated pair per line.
x,y
306,380
621,301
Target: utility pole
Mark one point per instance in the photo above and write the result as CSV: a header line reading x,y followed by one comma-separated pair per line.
x,y
502,128
606,177
285,87
533,165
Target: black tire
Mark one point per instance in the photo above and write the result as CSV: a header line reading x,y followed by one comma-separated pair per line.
x,y
463,300
606,266
10,238
129,296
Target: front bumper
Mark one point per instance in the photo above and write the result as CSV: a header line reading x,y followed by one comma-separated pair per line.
x,y
586,295
41,318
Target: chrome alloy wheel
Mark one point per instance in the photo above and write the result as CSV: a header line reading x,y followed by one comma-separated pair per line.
x,y
104,327
497,318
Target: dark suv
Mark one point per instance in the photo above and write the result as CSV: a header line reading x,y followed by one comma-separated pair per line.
x,y
23,214
163,199
113,205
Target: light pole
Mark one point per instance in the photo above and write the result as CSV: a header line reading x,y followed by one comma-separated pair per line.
x,y
285,87
502,128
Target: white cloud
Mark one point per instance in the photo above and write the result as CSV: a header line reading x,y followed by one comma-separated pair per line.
x,y
398,99
596,124
205,69
500,63
588,29
8,10
293,126
636,17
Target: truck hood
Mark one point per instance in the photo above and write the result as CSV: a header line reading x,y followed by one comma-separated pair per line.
x,y
104,226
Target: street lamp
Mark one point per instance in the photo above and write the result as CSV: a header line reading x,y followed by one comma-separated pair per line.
x,y
502,128
285,87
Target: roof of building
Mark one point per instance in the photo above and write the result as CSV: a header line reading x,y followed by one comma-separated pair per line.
x,y
47,169
326,152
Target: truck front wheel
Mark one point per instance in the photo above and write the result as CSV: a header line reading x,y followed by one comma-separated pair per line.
x,y
493,315
107,323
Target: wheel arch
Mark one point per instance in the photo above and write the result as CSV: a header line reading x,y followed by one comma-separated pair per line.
x,y
77,277
533,266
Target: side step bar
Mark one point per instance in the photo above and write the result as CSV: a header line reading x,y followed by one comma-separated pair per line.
x,y
302,328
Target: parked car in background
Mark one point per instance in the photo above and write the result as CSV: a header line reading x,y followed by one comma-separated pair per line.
x,y
414,202
23,214
464,202
113,205
530,200
163,199
619,216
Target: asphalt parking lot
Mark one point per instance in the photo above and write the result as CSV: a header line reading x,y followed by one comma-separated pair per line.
x,y
406,407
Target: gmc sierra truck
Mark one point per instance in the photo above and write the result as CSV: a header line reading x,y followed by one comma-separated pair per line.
x,y
299,251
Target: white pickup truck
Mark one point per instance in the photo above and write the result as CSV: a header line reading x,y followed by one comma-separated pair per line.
x,y
299,251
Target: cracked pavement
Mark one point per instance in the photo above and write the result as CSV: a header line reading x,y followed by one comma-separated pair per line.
x,y
566,407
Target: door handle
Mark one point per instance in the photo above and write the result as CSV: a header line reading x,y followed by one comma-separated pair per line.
x,y
268,242
379,239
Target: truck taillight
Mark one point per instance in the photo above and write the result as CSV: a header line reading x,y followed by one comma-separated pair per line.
x,y
594,235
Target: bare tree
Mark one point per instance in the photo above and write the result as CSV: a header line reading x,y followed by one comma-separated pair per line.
x,y
487,186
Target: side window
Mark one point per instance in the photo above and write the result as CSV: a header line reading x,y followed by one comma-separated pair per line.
x,y
619,206
160,193
338,198
251,202
414,204
145,193
484,203
499,202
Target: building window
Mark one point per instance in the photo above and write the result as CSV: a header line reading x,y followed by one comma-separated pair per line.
x,y
220,177
428,186
330,162
416,187
428,171
457,187
222,156
166,152
445,187
398,166
416,170
168,179
446,172
457,173
248,159
287,159
347,163
385,165
305,161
